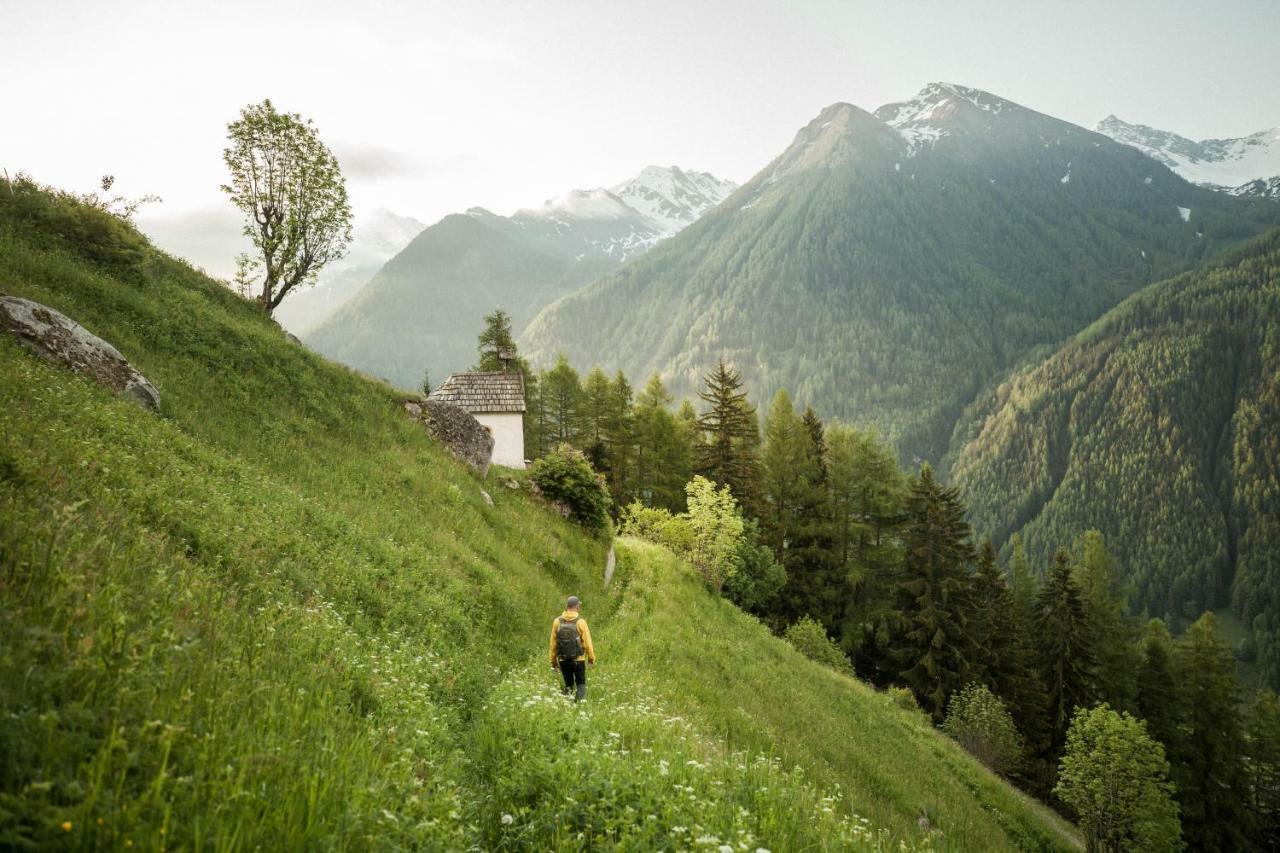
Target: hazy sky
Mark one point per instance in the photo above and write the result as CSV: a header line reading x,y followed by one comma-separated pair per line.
x,y
435,107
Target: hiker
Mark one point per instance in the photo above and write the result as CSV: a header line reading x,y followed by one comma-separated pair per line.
x,y
571,648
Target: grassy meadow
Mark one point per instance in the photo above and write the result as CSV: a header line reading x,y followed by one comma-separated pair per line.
x,y
279,616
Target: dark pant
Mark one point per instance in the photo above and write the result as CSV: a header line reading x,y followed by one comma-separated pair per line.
x,y
575,673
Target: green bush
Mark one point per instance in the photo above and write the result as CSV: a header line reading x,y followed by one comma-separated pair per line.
x,y
1117,780
811,640
980,722
566,477
904,698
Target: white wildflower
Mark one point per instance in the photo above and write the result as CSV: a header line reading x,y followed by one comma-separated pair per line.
x,y
507,819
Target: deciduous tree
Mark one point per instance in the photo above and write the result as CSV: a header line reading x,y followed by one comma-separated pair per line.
x,y
289,187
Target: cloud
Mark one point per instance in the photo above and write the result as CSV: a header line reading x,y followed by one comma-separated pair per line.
x,y
367,162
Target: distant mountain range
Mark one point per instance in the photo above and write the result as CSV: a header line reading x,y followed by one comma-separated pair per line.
x,y
423,309
1249,165
376,238
888,267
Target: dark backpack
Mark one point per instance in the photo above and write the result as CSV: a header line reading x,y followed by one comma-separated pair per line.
x,y
568,640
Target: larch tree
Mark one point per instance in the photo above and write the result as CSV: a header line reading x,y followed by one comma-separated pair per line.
x,y
289,187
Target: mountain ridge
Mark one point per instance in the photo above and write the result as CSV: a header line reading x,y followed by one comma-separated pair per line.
x,y
886,274
421,311
1246,165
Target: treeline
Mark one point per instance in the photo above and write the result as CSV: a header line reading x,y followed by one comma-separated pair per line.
x,y
805,520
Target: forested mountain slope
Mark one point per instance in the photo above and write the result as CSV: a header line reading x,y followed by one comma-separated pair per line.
x,y
422,310
277,615
1157,426
886,267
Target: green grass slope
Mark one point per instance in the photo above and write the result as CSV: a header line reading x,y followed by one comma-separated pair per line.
x,y
278,616
1156,426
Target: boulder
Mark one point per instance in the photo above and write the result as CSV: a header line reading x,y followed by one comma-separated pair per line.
x,y
457,429
57,338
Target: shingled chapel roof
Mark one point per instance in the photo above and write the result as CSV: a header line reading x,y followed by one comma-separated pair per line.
x,y
480,393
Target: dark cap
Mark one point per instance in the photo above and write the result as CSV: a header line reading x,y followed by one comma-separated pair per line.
x,y
572,602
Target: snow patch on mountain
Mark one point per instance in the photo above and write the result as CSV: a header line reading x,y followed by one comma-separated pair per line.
x,y
1248,165
622,221
671,197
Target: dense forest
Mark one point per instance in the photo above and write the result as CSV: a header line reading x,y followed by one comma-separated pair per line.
x,y
1156,426
889,286
828,535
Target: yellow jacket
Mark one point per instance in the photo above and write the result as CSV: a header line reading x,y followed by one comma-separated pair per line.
x,y
588,651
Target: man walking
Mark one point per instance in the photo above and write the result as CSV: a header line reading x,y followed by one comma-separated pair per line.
x,y
571,648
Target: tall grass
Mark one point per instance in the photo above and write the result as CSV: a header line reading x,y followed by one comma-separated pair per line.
x,y
277,616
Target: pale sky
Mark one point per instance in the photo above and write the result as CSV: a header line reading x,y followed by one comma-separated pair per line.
x,y
433,107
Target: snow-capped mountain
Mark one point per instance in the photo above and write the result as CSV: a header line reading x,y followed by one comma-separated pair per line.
x,y
671,197
622,221
1249,165
423,308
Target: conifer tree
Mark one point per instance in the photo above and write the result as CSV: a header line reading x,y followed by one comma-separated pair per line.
x,y
1115,634
494,340
1208,769
1006,663
618,434
935,650
561,393
1021,577
596,403
731,436
794,502
662,464
867,489
1262,727
1157,686
1065,648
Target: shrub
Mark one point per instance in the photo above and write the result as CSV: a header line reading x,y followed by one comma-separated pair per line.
x,y
979,721
811,640
717,528
904,698
760,577
1117,779
657,525
566,477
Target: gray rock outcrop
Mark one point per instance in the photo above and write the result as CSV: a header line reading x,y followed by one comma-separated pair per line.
x,y
57,338
457,429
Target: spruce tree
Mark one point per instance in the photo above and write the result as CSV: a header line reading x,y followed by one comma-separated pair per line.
x,y
1065,649
934,651
494,341
1209,770
1115,634
1021,577
1157,684
1006,663
731,436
